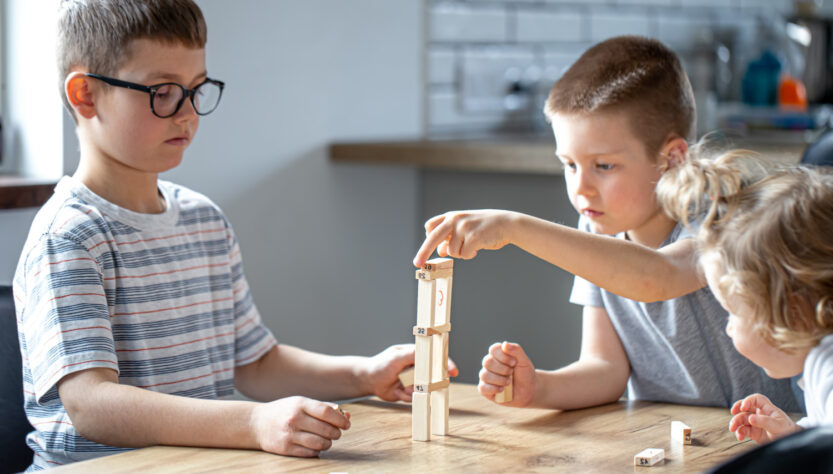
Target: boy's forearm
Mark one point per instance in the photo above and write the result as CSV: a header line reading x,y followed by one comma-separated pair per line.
x,y
288,370
582,384
621,267
126,416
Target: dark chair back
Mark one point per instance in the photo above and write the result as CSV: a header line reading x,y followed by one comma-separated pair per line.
x,y
820,152
809,451
14,453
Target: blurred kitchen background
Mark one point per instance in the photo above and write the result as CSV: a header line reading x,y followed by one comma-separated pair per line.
x,y
490,64
344,125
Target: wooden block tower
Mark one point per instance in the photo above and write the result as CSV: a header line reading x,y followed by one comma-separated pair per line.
x,y
430,399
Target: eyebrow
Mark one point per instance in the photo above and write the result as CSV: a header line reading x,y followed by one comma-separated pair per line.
x,y
590,155
164,76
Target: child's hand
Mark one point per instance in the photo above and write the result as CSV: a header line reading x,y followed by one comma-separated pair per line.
x,y
461,234
756,417
381,372
298,426
502,361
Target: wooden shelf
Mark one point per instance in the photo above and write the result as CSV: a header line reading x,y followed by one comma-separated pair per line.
x,y
506,155
17,192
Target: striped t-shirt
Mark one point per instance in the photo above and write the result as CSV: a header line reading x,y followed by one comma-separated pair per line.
x,y
160,298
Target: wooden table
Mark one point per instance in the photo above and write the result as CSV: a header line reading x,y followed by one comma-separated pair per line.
x,y
484,437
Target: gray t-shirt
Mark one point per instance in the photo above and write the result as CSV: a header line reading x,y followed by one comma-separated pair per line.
x,y
678,349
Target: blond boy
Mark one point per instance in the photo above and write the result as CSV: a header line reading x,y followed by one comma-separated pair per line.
x,y
622,115
134,314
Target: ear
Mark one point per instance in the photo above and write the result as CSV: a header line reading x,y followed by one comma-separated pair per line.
x,y
673,153
79,92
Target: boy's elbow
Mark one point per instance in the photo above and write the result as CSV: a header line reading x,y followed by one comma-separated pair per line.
x,y
84,396
84,416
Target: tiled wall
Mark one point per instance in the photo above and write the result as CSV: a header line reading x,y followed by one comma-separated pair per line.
x,y
490,63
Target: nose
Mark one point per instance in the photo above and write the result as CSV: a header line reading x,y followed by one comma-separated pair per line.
x,y
186,111
583,183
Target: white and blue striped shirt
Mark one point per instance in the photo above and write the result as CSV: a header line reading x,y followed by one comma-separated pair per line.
x,y
160,298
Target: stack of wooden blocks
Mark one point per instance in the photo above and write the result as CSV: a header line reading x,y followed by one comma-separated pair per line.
x,y
430,398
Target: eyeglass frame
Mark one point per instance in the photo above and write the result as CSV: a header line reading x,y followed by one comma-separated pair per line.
x,y
189,93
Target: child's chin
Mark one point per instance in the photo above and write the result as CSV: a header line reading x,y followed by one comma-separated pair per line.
x,y
603,229
777,374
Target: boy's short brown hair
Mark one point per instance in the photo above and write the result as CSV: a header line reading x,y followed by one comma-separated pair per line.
x,y
95,35
637,75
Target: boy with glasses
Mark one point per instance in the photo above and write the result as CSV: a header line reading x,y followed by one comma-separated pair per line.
x,y
134,314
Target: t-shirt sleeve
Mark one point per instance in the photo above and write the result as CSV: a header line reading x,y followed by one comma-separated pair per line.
x,y
818,379
252,338
585,293
65,319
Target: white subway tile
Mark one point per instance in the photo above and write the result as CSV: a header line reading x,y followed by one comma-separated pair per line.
x,y
648,2
585,2
724,4
608,25
489,73
777,6
556,63
543,26
682,32
441,66
460,23
509,54
746,28
444,111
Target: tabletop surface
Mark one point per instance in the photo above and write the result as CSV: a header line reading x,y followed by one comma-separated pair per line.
x,y
483,437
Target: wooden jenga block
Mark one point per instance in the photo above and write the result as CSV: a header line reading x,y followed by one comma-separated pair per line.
x,y
432,275
442,317
430,331
426,299
680,432
444,286
438,264
422,360
421,417
407,377
430,387
506,394
430,398
439,412
649,457
438,369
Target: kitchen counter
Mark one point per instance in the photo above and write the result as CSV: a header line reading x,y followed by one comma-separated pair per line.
x,y
507,155
490,155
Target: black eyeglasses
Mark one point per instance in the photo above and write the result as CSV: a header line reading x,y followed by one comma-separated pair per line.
x,y
167,98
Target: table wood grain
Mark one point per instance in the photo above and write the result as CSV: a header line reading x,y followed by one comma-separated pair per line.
x,y
484,437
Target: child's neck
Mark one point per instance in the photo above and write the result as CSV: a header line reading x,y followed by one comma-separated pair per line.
x,y
653,232
123,186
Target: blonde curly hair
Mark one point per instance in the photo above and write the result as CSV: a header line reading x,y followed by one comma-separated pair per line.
x,y
773,230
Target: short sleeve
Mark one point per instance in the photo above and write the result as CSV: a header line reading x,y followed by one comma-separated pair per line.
x,y
252,338
585,293
817,383
65,318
